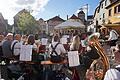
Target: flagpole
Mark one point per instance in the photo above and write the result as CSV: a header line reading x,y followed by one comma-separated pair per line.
x,y
87,11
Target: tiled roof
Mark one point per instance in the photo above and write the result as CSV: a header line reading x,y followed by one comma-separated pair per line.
x,y
81,12
41,19
112,3
56,18
74,17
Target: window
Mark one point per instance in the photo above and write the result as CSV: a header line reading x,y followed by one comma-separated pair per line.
x,y
96,22
115,9
102,5
98,10
119,8
103,15
105,2
110,12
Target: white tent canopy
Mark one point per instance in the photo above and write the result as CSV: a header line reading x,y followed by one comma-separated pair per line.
x,y
69,24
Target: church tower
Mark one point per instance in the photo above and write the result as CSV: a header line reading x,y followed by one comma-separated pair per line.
x,y
81,15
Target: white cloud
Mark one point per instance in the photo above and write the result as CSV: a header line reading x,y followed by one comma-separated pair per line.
x,y
9,8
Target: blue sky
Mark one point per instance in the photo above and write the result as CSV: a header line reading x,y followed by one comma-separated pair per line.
x,y
45,9
66,7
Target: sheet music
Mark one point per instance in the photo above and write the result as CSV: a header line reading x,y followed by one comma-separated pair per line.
x,y
65,36
26,53
73,58
63,40
44,41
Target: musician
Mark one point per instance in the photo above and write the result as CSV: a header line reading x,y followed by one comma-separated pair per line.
x,y
86,60
7,54
16,45
6,46
113,37
114,74
59,48
34,68
1,52
76,44
24,39
57,52
117,53
31,41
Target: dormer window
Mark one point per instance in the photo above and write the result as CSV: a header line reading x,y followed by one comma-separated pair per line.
x,y
110,12
102,5
105,2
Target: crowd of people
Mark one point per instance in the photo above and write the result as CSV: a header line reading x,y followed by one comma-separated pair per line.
x,y
10,46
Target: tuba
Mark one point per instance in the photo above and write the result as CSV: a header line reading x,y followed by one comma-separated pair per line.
x,y
94,42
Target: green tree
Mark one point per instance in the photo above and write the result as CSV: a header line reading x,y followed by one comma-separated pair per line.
x,y
27,23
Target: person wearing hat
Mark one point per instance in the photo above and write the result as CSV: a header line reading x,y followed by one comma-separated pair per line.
x,y
114,74
6,46
7,54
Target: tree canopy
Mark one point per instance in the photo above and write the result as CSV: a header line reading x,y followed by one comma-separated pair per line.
x,y
27,23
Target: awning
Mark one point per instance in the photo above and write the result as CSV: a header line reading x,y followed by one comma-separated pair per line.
x,y
70,24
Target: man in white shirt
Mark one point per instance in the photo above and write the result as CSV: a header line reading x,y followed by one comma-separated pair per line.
x,y
56,53
113,37
112,74
16,45
59,48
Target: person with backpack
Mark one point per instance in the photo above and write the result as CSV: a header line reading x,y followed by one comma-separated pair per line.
x,y
56,50
57,53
